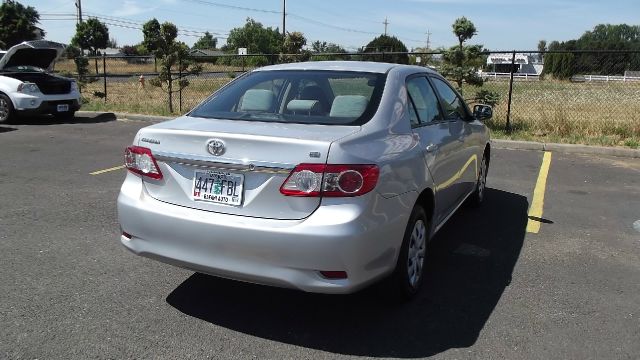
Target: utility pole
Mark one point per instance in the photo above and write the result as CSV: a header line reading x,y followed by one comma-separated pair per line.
x,y
385,26
284,18
79,8
428,39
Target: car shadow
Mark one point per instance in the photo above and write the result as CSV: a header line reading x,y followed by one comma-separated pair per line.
x,y
470,264
78,119
4,129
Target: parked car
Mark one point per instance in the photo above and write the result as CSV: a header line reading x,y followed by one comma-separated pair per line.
x,y
26,87
319,176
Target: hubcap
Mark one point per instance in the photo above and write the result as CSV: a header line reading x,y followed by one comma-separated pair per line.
x,y
4,109
482,178
417,246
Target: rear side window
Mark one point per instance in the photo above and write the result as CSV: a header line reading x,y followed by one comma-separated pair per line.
x,y
313,97
424,102
452,105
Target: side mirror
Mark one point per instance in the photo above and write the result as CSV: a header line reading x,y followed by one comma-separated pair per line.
x,y
482,112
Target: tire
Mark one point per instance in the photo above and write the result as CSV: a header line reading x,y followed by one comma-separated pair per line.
x,y
6,109
406,279
477,197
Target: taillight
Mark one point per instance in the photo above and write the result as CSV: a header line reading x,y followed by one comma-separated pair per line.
x,y
313,180
140,160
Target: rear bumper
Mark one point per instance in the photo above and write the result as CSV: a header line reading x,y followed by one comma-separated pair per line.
x,y
361,236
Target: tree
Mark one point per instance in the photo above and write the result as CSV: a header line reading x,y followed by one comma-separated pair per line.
x,y
293,42
602,37
462,62
323,47
175,66
464,30
17,24
91,35
206,42
256,38
112,43
385,43
542,47
292,48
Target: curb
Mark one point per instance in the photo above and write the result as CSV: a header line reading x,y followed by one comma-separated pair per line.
x,y
496,143
127,116
566,148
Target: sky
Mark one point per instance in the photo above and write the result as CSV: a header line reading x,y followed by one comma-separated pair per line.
x,y
501,24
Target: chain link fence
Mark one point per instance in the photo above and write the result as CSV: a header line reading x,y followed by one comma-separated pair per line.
x,y
593,95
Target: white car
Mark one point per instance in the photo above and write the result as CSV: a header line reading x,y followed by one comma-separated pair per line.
x,y
26,87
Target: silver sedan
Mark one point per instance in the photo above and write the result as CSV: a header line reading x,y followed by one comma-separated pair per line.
x,y
319,176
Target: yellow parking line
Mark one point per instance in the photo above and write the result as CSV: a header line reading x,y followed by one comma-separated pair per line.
x,y
537,204
107,170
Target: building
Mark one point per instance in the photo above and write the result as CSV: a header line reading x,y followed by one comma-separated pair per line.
x,y
523,64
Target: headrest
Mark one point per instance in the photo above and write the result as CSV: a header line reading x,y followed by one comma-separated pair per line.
x,y
303,105
348,106
257,100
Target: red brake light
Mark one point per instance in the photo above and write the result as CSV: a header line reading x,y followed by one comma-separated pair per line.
x,y
140,160
311,180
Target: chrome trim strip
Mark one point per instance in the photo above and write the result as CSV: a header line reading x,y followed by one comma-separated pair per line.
x,y
225,163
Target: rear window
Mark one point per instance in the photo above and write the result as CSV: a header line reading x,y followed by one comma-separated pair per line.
x,y
291,96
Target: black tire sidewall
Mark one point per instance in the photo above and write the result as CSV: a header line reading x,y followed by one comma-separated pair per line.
x,y
11,110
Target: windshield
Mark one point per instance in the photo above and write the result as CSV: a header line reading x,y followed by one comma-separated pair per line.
x,y
292,96
24,68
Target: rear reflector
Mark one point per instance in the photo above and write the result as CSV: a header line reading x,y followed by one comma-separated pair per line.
x,y
312,180
334,275
140,160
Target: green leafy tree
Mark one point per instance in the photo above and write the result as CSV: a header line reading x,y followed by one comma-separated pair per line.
x,y
17,23
256,38
293,47
460,63
383,44
91,35
206,42
601,37
323,47
173,56
542,46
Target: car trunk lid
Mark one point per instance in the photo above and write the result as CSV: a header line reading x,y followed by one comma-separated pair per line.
x,y
257,155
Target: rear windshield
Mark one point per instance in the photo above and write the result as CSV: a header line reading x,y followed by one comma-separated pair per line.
x,y
291,96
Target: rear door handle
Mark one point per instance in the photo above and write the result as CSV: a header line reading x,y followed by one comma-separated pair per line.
x,y
431,148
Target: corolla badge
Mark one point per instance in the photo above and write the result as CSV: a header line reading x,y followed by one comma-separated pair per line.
x,y
216,147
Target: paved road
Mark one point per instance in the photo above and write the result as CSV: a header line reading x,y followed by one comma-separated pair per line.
x,y
70,290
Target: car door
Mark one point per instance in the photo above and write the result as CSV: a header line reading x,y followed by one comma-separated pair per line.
x,y
439,148
463,154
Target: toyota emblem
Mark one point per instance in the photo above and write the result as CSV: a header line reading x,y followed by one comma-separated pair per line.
x,y
216,147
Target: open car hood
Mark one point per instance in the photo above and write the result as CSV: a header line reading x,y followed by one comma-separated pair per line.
x,y
38,53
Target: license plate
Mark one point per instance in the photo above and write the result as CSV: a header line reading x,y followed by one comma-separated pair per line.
x,y
63,107
218,187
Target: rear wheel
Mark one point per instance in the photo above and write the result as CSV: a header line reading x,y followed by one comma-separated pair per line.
x,y
481,184
407,277
6,109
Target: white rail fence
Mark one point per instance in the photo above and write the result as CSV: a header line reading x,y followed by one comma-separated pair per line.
x,y
575,78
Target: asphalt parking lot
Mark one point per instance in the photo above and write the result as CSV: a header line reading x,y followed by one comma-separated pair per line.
x,y
495,288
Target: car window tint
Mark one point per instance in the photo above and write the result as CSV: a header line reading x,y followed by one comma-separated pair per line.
x,y
424,99
452,105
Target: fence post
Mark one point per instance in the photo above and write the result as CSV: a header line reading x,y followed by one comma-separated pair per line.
x,y
242,57
180,85
155,64
104,75
513,63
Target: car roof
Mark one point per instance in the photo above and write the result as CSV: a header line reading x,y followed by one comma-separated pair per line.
x,y
360,66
